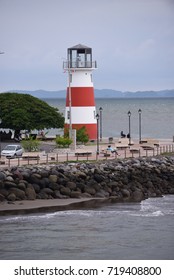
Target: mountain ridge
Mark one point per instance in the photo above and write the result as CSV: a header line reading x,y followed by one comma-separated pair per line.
x,y
100,93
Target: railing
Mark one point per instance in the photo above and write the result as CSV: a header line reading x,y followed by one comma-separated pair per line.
x,y
94,156
79,64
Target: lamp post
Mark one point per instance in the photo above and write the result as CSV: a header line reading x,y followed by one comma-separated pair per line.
x,y
100,116
139,112
0,137
70,102
129,115
97,118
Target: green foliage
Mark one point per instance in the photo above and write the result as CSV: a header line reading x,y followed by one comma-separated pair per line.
x,y
25,112
81,135
63,142
30,145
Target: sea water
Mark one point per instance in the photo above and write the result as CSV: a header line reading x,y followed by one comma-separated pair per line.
x,y
116,231
157,116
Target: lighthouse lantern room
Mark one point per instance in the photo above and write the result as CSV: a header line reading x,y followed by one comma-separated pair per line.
x,y
80,102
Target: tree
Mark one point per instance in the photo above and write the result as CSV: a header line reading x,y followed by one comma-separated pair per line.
x,y
25,112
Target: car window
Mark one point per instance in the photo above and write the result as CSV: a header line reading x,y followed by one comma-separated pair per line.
x,y
10,148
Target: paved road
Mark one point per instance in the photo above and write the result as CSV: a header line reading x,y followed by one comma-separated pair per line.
x,y
45,146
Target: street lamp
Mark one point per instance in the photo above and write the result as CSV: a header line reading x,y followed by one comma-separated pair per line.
x,y
97,118
129,115
139,112
0,137
100,116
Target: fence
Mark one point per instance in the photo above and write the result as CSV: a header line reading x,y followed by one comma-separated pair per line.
x,y
94,156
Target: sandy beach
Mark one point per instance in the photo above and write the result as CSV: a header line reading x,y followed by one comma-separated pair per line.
x,y
50,205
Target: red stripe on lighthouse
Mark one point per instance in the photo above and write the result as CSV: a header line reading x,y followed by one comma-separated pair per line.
x,y
81,96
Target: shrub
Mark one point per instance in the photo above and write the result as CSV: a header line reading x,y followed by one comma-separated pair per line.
x,y
31,145
63,142
82,135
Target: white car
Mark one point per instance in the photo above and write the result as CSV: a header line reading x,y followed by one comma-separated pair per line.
x,y
12,151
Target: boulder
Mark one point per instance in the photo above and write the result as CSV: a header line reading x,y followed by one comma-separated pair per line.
x,y
2,197
65,191
30,193
53,178
137,196
11,197
75,194
90,190
71,185
20,195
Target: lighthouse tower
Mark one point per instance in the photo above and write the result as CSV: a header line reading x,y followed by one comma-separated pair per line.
x,y
80,103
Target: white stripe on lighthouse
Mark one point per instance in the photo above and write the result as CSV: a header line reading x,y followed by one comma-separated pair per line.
x,y
81,115
81,79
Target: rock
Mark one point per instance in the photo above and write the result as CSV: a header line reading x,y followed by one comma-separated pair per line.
x,y
99,178
71,185
36,187
75,194
90,190
2,197
137,196
22,186
47,191
2,176
9,184
10,179
57,194
125,193
30,193
53,178
171,191
65,191
4,192
18,193
11,197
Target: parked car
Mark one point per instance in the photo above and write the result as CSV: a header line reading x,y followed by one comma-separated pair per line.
x,y
12,151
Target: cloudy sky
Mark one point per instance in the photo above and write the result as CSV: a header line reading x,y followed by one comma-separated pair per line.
x,y
132,41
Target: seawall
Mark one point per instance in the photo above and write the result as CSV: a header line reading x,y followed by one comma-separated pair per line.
x,y
86,184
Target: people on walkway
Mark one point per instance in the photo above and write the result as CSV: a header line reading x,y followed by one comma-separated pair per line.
x,y
122,134
113,150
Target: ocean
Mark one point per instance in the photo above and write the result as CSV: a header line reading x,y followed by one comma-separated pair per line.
x,y
157,119
116,231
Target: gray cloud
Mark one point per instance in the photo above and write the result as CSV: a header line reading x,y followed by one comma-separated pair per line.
x,y
132,41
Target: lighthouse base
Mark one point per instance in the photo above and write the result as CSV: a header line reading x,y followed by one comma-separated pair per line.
x,y
91,129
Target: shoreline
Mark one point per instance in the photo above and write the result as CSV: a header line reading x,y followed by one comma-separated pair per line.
x,y
46,206
31,189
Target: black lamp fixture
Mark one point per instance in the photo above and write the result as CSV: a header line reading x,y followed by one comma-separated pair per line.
x,y
97,118
129,116
140,112
100,116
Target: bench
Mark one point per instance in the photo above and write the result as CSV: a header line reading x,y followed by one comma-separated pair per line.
x,y
83,154
150,141
147,147
106,153
30,157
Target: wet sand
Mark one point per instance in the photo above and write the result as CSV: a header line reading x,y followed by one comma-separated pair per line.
x,y
41,205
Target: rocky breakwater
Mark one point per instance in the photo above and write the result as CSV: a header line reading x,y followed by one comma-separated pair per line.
x,y
116,180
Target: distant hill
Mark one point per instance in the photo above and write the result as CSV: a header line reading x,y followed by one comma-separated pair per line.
x,y
101,93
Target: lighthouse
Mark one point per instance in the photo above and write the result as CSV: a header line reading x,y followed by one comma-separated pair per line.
x,y
80,102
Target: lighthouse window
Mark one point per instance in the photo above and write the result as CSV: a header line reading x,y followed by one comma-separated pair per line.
x,y
68,115
91,77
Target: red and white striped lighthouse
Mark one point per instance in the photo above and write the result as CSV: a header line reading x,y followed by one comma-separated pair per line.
x,y
80,102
